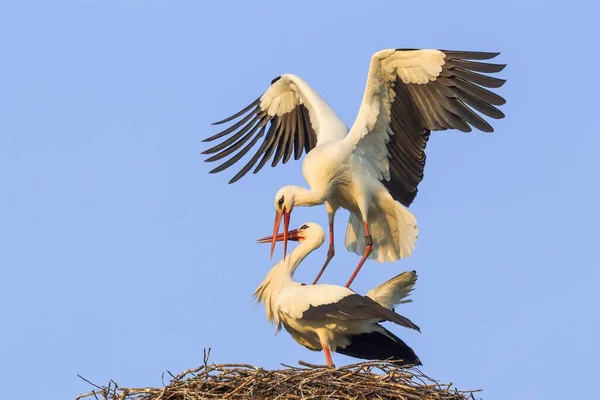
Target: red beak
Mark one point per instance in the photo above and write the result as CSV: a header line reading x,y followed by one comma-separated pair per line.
x,y
292,235
286,225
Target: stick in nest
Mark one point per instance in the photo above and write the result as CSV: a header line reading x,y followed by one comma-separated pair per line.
x,y
365,380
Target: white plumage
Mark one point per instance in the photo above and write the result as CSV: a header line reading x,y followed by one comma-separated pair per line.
x,y
330,317
377,163
394,291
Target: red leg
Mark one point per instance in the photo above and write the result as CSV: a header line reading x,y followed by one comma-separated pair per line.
x,y
366,254
328,356
330,253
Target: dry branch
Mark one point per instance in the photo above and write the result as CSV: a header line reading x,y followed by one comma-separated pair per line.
x,y
366,380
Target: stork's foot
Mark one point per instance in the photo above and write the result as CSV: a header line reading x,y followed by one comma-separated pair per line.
x,y
328,359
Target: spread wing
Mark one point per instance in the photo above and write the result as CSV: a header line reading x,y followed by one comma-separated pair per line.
x,y
410,93
290,118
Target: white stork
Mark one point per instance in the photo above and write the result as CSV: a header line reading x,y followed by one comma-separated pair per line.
x,y
331,317
380,160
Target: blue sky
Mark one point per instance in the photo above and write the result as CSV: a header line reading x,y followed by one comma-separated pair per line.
x,y
122,257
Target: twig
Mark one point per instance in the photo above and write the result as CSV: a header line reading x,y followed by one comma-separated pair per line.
x,y
365,380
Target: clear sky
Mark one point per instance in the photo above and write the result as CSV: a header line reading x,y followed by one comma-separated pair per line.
x,y
122,257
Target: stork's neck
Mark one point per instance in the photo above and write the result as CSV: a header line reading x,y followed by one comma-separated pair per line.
x,y
281,276
287,267
309,197
301,251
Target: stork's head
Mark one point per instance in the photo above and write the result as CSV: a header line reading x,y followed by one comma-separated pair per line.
x,y
309,232
285,199
284,204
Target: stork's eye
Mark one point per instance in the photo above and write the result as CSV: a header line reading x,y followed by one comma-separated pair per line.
x,y
304,226
280,202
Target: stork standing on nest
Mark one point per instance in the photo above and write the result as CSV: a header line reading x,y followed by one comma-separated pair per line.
x,y
335,318
380,160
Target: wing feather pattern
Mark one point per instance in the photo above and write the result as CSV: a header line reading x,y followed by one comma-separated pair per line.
x,y
410,93
290,112
355,307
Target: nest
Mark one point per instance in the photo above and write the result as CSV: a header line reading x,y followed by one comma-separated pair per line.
x,y
365,380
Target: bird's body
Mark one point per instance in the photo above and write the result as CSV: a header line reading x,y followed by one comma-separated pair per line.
x,y
334,173
331,317
374,167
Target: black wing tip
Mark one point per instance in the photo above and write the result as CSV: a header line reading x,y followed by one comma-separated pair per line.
x,y
471,54
486,54
380,346
501,101
220,122
466,129
413,326
215,157
499,116
210,138
491,54
409,324
275,79
501,67
482,126
497,83
239,113
212,149
400,193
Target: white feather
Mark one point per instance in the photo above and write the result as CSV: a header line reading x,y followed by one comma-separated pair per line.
x,y
394,291
370,133
289,91
394,231
296,299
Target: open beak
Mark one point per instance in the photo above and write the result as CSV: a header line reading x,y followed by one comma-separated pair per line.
x,y
286,225
291,235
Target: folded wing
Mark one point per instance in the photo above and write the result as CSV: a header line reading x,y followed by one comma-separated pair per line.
x,y
356,308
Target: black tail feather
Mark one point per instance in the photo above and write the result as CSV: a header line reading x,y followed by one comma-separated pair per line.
x,y
379,346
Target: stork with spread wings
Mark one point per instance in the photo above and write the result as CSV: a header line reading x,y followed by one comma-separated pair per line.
x,y
378,163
